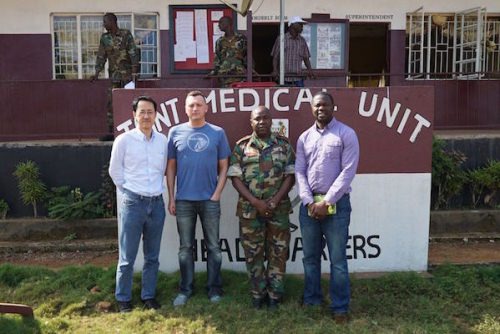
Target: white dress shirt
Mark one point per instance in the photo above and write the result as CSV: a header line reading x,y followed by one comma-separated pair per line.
x,y
138,164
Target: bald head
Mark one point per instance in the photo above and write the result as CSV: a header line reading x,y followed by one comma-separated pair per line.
x,y
261,121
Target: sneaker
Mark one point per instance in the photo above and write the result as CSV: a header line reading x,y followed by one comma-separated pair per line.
x,y
125,307
180,300
151,304
215,299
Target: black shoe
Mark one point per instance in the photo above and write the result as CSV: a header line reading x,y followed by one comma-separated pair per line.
x,y
257,303
274,304
125,307
151,304
108,137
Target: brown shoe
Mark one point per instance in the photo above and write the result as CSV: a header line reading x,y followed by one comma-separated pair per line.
x,y
341,318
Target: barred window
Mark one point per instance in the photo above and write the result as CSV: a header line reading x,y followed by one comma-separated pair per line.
x,y
459,45
75,41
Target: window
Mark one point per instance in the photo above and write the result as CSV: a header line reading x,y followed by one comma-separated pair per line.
x,y
460,45
76,41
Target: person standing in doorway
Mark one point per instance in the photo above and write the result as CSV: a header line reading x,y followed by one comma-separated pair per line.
x,y
116,46
262,169
198,160
137,167
327,159
296,53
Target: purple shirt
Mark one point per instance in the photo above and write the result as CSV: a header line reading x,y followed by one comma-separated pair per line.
x,y
326,161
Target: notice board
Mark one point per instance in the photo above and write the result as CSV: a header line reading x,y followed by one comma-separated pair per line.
x,y
194,29
327,42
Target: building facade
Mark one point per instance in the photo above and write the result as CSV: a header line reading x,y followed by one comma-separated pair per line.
x,y
50,49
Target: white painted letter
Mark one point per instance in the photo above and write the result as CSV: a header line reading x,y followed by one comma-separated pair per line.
x,y
256,101
162,117
421,122
304,96
211,98
267,98
385,109
404,120
124,126
276,98
361,110
224,100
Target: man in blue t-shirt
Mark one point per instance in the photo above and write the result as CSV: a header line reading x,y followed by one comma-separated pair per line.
x,y
198,155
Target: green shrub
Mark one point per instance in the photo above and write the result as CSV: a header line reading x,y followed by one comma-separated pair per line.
x,y
30,186
4,207
68,204
107,193
484,184
447,177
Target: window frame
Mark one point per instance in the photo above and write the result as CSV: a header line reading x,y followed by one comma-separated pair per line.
x,y
421,46
104,74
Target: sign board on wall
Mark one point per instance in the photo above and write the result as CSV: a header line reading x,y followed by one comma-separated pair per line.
x,y
391,191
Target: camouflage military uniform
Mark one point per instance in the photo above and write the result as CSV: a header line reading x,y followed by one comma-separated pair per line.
x,y
262,167
121,52
230,58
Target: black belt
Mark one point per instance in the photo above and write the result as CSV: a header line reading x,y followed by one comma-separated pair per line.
x,y
142,197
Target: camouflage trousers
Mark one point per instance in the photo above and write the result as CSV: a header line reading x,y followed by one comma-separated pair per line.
x,y
266,239
109,105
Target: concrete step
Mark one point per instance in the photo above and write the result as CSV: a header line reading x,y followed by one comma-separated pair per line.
x,y
58,246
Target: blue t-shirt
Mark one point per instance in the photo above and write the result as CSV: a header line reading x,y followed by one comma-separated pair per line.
x,y
197,151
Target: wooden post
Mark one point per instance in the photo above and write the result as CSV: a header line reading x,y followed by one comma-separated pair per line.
x,y
24,310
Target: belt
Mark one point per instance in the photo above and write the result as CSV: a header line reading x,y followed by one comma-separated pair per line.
x,y
142,197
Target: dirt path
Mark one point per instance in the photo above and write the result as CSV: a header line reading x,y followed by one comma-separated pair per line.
x,y
458,252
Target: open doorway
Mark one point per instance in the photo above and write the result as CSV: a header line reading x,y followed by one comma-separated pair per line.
x,y
263,37
368,45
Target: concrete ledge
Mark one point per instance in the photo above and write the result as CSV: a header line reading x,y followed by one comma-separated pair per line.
x,y
460,222
51,229
100,245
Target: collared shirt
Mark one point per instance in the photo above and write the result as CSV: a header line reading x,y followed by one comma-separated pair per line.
x,y
326,162
262,166
295,51
121,52
138,164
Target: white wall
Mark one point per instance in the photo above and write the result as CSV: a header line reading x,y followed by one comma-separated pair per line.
x,y
390,211
33,16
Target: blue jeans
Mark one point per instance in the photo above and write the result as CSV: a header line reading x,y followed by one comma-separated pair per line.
x,y
139,216
187,213
335,230
295,83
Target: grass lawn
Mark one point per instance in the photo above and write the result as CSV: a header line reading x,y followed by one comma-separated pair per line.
x,y
454,300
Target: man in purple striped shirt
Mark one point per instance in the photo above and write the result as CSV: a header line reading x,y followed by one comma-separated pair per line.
x,y
326,162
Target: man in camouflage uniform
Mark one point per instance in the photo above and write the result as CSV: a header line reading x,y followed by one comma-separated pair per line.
x,y
262,170
230,54
118,47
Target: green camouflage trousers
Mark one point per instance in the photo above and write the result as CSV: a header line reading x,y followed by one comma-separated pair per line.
x,y
266,239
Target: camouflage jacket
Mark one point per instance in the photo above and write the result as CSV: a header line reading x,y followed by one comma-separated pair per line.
x,y
230,58
262,166
122,53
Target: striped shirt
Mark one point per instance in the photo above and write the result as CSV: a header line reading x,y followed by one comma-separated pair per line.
x,y
295,51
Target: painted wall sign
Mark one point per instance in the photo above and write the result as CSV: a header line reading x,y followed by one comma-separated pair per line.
x,y
391,192
369,17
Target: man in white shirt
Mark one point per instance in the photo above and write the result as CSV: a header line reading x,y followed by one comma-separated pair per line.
x,y
137,167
